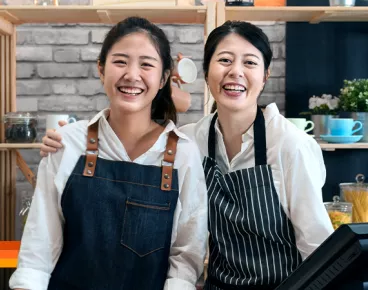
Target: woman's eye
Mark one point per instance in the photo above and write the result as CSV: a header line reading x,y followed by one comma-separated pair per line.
x,y
120,61
249,62
147,64
224,60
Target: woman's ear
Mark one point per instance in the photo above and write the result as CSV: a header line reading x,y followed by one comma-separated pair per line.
x,y
165,78
267,74
100,69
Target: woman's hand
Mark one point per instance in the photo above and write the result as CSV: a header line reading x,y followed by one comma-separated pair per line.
x,y
52,141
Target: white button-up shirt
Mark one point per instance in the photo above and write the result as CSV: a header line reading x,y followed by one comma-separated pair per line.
x,y
297,166
42,239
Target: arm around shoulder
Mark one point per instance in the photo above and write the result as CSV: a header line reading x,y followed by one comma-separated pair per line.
x,y
305,178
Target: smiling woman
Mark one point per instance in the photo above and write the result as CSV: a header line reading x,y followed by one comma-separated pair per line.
x,y
264,177
123,204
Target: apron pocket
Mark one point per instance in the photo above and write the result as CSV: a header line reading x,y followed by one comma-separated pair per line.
x,y
145,226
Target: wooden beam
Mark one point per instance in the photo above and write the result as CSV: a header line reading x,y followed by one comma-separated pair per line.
x,y
210,25
6,28
7,158
13,70
211,17
221,14
3,97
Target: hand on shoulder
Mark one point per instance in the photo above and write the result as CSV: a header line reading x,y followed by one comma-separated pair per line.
x,y
51,142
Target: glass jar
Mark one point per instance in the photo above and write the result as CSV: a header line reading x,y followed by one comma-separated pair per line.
x,y
339,212
239,2
357,194
20,127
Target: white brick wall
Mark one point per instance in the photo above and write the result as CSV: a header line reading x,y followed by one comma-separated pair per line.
x,y
56,72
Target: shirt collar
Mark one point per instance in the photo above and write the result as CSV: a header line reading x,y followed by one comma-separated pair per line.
x,y
269,113
169,127
102,114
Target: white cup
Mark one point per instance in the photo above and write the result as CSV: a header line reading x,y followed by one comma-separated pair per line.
x,y
187,70
52,120
302,124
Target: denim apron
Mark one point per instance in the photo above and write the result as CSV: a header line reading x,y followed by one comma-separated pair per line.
x,y
118,222
251,242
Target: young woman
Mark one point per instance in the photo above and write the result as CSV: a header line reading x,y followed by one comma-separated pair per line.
x,y
264,176
123,204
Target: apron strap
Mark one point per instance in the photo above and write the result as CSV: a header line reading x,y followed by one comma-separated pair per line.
x,y
168,162
92,150
259,128
212,138
260,151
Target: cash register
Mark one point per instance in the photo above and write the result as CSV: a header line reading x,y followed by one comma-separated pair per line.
x,y
339,263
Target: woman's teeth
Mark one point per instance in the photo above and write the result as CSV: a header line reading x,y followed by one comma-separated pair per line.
x,y
234,88
132,91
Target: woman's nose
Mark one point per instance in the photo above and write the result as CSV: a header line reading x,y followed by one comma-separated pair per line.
x,y
236,71
132,74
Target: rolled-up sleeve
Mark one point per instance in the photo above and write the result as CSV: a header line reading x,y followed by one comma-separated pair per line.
x,y
188,250
304,180
42,238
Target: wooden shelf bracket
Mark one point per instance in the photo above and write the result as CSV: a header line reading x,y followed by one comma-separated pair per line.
x,y
9,17
104,16
6,28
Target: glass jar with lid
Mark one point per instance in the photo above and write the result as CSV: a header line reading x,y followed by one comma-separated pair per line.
x,y
357,194
20,127
339,212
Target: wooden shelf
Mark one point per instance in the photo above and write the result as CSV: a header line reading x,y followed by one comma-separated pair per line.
x,y
334,146
294,14
9,146
101,14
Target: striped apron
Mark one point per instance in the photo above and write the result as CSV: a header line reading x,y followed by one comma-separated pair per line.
x,y
251,242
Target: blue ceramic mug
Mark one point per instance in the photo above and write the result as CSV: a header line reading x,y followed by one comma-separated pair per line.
x,y
343,127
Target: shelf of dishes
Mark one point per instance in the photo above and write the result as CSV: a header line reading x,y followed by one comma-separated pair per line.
x,y
177,14
21,131
293,14
334,132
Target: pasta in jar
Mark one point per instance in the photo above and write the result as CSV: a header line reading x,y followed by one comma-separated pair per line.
x,y
339,212
357,194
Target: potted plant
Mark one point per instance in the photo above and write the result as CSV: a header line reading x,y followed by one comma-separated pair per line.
x,y
321,109
354,103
